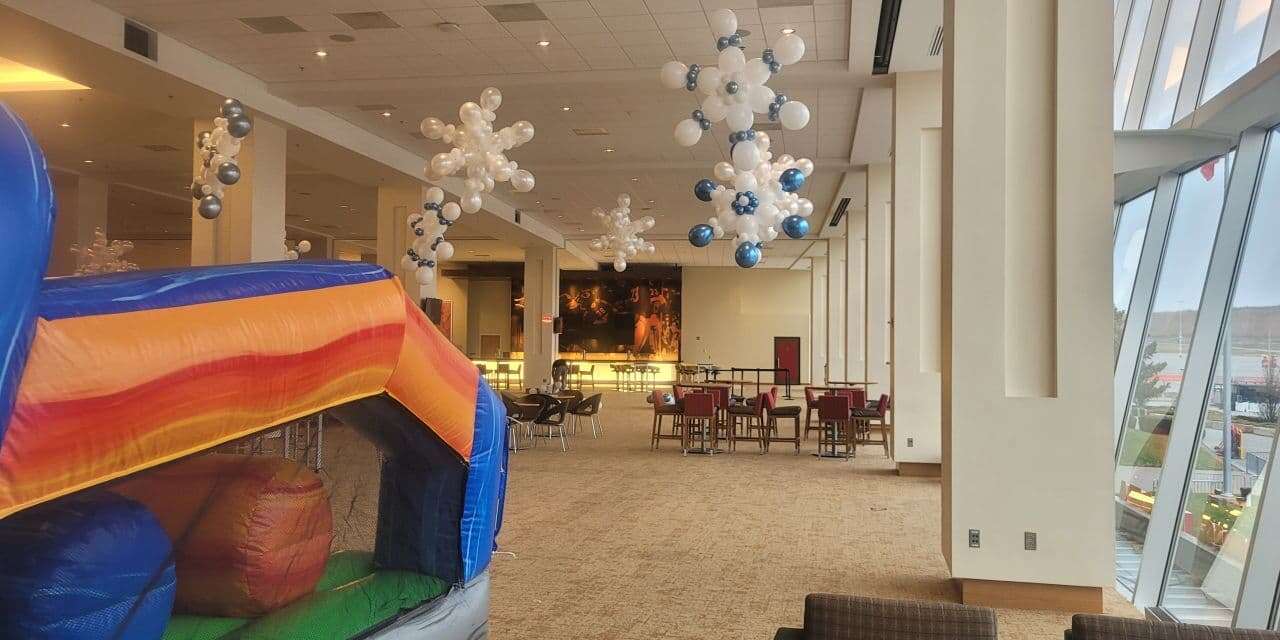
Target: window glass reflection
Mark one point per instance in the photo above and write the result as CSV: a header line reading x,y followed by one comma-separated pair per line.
x,y
1127,67
1236,43
1171,62
1238,428
1162,357
1131,230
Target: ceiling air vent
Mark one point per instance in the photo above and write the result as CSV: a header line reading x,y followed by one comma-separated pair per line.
x,y
838,216
885,32
272,24
522,12
591,131
139,40
772,4
367,20
158,148
376,107
935,47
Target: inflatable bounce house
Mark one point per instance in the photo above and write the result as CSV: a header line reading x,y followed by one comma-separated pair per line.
x,y
123,516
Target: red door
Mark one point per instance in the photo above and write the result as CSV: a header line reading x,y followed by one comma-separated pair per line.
x,y
786,355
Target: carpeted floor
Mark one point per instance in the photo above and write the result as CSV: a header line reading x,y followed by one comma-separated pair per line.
x,y
613,541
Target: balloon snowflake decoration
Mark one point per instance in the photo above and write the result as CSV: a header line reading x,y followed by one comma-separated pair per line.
x,y
622,234
428,229
757,196
296,250
478,151
218,151
102,256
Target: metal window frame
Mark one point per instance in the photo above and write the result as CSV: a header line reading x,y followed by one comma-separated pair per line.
x,y
1124,7
1271,41
1197,59
1211,317
1157,20
1267,35
1159,220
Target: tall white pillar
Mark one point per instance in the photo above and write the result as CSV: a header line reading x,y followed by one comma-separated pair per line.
x,y
395,203
1027,346
251,225
879,226
916,375
818,322
837,295
541,306
855,334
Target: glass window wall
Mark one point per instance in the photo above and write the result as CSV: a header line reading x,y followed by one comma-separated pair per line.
x,y
1237,42
1127,67
1131,231
1171,62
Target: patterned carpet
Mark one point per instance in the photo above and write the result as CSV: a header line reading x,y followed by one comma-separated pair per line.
x,y
613,541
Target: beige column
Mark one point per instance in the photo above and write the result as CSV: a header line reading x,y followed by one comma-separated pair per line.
x,y
879,226
818,322
837,295
1027,355
916,375
541,306
395,203
251,225
855,328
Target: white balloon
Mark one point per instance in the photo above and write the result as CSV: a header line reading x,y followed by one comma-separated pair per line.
x,y
760,97
624,200
709,80
723,171
674,74
794,115
688,132
304,246
470,114
740,118
723,23
619,264
757,72
424,275
745,156
491,98
762,141
805,166
435,194
732,60
522,181
444,250
806,208
441,165
713,108
291,254
472,202
788,49
451,211
744,182
432,128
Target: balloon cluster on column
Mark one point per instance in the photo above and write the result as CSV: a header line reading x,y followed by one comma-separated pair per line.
x,y
102,256
218,150
478,151
755,195
428,229
622,234
296,250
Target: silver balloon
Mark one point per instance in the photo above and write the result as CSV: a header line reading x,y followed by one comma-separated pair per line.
x,y
232,108
239,126
228,173
210,207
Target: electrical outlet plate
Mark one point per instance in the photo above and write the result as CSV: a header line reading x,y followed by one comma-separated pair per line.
x,y
1029,540
911,442
975,538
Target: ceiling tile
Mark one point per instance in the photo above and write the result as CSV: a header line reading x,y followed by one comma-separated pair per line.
x,y
670,6
618,24
574,9
619,7
681,20
569,26
637,37
591,40
415,18
464,15
787,14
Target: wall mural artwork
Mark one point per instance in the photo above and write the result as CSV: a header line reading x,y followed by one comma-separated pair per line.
x,y
639,316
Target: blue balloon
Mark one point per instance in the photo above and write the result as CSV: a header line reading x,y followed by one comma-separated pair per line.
x,y
703,189
795,227
791,180
700,235
747,255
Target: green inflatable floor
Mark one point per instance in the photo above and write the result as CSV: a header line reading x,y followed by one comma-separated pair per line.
x,y
351,597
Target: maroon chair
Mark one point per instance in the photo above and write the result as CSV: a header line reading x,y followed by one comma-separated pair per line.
x,y
811,395
699,415
833,415
876,417
744,418
774,412
661,409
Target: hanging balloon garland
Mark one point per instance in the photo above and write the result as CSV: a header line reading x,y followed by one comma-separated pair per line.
x,y
295,251
622,234
102,256
478,151
218,151
429,246
756,195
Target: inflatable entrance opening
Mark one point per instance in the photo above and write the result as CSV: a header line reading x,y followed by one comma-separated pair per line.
x,y
275,450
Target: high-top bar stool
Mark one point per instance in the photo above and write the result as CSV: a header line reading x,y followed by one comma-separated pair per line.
x,y
773,413
875,418
699,417
748,417
503,377
660,410
587,375
811,395
833,414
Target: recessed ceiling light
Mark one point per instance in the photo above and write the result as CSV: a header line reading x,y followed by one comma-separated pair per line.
x,y
88,162
789,30
544,43
608,149
566,108
320,53
386,114
65,125
635,179
306,219
343,206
